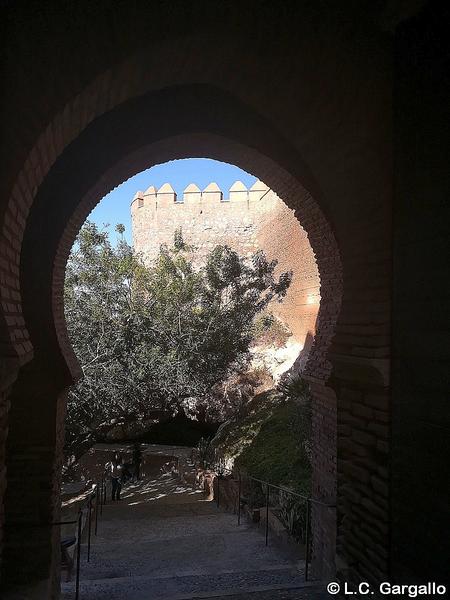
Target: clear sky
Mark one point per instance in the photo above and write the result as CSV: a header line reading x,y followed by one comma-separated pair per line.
x,y
115,207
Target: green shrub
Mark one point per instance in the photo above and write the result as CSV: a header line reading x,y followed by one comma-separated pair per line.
x,y
279,451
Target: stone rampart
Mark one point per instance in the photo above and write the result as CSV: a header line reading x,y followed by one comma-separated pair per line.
x,y
247,220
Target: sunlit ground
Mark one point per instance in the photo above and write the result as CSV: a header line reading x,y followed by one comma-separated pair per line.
x,y
150,491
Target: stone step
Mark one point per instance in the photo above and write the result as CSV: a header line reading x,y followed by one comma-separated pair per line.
x,y
114,572
201,553
104,569
211,585
303,593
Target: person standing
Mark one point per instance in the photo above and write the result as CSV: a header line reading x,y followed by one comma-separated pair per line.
x,y
115,471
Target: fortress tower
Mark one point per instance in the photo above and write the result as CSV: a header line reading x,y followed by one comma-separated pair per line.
x,y
247,220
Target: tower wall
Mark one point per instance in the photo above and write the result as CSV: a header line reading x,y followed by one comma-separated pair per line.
x,y
247,220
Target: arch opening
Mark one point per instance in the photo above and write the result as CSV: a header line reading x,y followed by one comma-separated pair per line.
x,y
109,164
247,218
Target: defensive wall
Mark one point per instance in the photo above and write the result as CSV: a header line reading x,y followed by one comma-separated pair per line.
x,y
247,220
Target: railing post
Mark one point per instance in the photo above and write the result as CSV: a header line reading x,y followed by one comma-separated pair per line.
x,y
308,518
77,584
96,508
89,528
101,496
218,491
105,491
267,514
239,498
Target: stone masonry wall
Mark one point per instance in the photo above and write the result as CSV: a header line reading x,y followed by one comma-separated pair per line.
x,y
4,407
247,221
153,83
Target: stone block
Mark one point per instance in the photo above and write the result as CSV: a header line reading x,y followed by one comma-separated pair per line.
x,y
360,410
378,401
354,471
380,486
374,509
364,438
192,195
380,430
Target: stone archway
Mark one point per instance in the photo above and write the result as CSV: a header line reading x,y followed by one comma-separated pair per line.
x,y
288,141
51,340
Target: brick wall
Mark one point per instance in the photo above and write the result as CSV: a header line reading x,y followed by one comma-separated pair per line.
x,y
147,86
4,408
421,336
8,373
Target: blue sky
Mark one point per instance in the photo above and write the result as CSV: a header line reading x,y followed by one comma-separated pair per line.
x,y
115,207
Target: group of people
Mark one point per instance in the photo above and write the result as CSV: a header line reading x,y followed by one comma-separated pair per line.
x,y
120,472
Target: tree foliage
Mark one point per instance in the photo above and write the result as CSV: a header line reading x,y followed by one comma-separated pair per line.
x,y
160,337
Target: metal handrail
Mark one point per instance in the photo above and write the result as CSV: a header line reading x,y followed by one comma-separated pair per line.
x,y
88,500
269,485
51,523
97,491
278,487
288,491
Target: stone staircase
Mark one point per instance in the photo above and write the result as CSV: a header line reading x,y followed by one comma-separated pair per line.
x,y
225,585
162,541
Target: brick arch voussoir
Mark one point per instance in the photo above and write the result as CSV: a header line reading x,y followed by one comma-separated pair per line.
x,y
318,367
152,68
234,133
307,211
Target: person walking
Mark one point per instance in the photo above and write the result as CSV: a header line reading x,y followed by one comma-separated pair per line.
x,y
115,471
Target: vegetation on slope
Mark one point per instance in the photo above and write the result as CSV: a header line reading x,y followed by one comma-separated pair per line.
x,y
270,440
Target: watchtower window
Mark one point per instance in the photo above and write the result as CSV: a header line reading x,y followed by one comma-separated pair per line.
x,y
140,202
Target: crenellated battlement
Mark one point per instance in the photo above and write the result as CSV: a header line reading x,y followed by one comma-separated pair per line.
x,y
205,216
166,196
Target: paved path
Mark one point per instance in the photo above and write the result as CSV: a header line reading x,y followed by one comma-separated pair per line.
x,y
164,541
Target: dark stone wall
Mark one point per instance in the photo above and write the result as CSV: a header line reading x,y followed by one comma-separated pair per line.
x,y
264,86
299,93
421,299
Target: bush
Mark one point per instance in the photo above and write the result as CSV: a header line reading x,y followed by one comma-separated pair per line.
x,y
279,452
